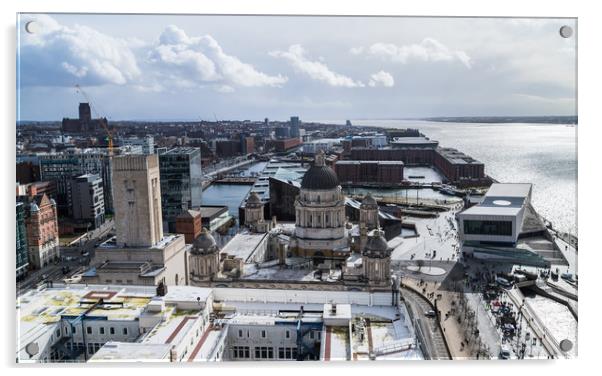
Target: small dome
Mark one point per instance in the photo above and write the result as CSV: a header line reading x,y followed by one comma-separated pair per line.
x,y
205,243
319,176
369,202
377,246
254,200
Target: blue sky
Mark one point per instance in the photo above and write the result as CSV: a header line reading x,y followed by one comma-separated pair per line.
x,y
251,67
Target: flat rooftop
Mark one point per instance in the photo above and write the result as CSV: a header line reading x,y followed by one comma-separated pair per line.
x,y
349,162
212,211
127,351
413,141
509,190
243,245
457,157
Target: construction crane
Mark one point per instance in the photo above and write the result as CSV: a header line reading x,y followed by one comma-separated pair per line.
x,y
101,120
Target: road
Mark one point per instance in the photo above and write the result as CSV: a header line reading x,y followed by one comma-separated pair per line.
x,y
76,258
431,335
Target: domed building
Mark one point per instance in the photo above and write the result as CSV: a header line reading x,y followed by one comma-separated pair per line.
x,y
203,259
320,215
254,214
376,260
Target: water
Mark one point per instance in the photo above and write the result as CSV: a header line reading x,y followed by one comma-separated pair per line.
x,y
542,154
226,194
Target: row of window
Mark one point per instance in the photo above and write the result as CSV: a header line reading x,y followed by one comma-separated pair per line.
x,y
287,334
263,352
101,330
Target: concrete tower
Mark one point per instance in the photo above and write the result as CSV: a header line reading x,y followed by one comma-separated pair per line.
x,y
368,218
137,197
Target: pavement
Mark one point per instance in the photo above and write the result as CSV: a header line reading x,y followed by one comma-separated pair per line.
x,y
437,239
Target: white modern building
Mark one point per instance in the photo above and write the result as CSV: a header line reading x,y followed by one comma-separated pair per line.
x,y
112,323
498,218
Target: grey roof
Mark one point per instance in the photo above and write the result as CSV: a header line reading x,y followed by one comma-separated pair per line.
x,y
377,246
369,201
205,243
509,190
320,178
253,200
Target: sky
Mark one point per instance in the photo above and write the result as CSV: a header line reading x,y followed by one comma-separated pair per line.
x,y
191,67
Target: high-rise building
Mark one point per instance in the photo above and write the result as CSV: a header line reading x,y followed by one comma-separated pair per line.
x,y
88,200
282,132
63,167
22,258
295,126
181,183
137,193
42,231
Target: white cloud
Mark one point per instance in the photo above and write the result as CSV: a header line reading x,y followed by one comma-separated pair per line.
x,y
381,78
317,70
57,55
201,59
429,50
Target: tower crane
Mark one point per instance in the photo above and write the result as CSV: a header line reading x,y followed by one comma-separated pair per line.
x,y
101,120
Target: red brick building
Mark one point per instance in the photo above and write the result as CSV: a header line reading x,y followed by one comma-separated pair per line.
x,y
189,224
42,231
387,172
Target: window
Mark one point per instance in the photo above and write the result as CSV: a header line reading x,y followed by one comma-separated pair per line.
x,y
88,330
263,334
112,330
287,353
311,334
101,330
264,353
241,352
287,334
125,331
240,334
476,227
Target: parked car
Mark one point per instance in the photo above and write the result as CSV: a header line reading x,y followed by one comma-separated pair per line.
x,y
503,282
430,313
505,353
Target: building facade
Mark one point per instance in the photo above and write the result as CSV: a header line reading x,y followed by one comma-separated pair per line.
x,y
22,254
181,183
42,231
137,189
88,200
189,224
357,172
63,167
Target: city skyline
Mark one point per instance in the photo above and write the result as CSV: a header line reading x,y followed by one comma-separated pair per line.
x,y
168,67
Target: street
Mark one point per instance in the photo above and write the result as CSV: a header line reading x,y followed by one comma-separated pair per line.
x,y
76,258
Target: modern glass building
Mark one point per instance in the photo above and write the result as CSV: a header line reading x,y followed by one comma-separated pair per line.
x,y
22,257
62,167
181,183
